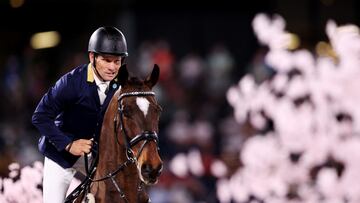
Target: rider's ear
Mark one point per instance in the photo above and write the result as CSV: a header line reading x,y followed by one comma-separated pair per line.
x,y
152,80
123,75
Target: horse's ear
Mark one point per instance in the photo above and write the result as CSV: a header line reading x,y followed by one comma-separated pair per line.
x,y
123,75
152,80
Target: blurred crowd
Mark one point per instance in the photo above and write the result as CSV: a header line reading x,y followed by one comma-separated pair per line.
x,y
191,90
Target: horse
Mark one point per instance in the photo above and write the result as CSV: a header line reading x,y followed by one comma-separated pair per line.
x,y
128,157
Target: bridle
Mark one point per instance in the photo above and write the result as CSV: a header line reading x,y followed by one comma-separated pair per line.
x,y
146,136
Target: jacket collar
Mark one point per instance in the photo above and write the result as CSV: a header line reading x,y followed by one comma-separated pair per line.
x,y
90,74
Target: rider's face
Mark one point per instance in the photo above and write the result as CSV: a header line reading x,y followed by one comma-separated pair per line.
x,y
107,65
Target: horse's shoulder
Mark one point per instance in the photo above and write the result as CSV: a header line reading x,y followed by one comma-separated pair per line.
x,y
115,96
117,93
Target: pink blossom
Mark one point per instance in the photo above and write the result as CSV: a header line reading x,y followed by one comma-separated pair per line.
x,y
223,191
179,166
25,189
327,182
14,166
218,169
195,162
280,60
312,129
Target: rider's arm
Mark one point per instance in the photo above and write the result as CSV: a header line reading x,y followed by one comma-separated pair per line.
x,y
51,105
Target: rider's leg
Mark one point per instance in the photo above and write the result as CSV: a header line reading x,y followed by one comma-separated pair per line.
x,y
56,181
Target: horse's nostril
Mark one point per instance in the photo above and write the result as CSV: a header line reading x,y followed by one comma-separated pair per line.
x,y
149,171
146,168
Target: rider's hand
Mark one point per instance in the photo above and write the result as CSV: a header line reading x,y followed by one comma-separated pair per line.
x,y
79,147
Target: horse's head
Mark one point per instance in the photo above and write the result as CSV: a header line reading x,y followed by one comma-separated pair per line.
x,y
139,117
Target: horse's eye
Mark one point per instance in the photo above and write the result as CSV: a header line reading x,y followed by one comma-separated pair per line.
x,y
126,111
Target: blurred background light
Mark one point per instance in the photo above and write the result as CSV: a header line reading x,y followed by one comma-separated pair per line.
x,y
16,3
328,2
294,41
324,49
44,40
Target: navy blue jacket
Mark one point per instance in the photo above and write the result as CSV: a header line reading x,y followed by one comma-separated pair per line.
x,y
70,110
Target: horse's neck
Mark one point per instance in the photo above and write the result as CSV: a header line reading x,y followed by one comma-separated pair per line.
x,y
128,182
111,157
131,185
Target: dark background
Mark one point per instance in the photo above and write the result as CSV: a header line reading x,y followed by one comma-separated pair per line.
x,y
187,26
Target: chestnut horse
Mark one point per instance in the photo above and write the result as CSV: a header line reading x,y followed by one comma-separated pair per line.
x,y
128,146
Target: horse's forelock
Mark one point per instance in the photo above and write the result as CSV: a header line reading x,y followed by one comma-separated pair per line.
x,y
136,81
136,84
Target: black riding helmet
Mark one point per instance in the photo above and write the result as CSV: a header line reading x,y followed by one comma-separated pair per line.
x,y
108,40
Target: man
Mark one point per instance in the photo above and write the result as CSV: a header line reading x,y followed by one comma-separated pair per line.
x,y
70,114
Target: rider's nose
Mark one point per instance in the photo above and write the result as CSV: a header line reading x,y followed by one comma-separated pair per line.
x,y
113,66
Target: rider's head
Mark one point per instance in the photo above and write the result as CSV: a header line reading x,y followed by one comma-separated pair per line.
x,y
107,51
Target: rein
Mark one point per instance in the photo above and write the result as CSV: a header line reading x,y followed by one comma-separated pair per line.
x,y
131,158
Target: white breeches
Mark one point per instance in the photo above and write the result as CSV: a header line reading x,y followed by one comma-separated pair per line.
x,y
56,180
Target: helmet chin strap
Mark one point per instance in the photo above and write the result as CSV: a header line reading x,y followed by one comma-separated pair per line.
x,y
96,71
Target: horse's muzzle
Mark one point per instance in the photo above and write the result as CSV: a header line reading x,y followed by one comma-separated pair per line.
x,y
150,174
